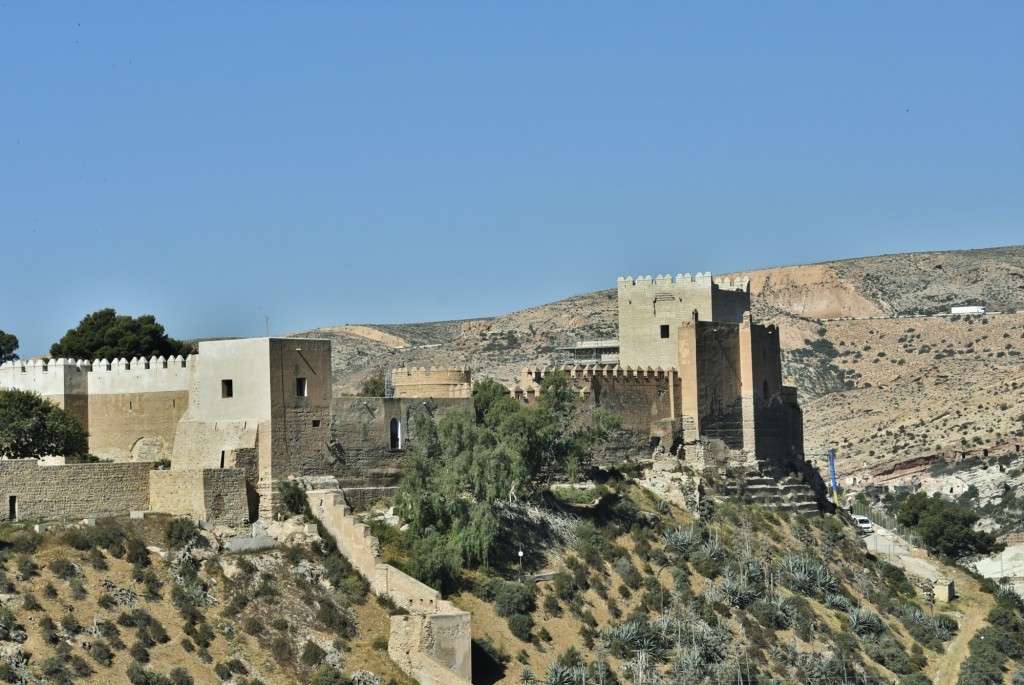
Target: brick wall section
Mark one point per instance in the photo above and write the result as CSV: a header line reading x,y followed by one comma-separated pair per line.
x,y
433,643
73,491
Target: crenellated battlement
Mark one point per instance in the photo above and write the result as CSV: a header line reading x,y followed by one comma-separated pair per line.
x,y
700,280
53,377
589,372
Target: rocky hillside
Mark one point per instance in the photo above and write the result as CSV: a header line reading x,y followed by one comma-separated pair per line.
x,y
882,376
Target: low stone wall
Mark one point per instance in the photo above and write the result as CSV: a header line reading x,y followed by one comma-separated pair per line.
x,y
433,644
213,495
72,491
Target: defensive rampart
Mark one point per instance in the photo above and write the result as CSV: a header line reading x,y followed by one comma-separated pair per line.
x,y
433,642
421,382
72,491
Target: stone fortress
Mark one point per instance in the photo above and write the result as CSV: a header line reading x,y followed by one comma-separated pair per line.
x,y
694,379
690,375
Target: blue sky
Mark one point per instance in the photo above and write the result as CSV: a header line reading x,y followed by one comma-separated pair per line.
x,y
325,163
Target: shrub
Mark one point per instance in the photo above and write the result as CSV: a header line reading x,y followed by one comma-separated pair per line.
x,y
139,652
281,649
63,568
101,653
328,675
70,624
179,532
521,625
514,598
293,497
136,553
79,666
380,643
312,654
30,603
222,671
252,625
179,676
27,568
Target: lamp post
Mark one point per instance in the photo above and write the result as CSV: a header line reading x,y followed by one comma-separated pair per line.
x,y
520,563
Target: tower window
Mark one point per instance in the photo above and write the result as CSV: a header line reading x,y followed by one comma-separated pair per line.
x,y
227,388
664,330
300,387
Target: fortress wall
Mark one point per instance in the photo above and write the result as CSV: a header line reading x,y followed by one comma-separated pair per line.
x,y
136,376
177,492
72,491
51,379
433,643
213,495
360,440
421,382
134,426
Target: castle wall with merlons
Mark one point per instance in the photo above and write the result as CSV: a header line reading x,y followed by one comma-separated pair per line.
x,y
421,382
651,309
72,491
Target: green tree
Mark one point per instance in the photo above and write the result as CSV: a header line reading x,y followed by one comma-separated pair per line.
x,y
946,527
8,345
33,427
107,335
459,467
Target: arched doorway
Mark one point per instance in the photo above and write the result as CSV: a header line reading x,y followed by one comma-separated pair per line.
x,y
396,434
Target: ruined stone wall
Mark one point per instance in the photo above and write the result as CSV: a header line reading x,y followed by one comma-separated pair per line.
x,y
651,309
420,382
73,491
432,644
361,452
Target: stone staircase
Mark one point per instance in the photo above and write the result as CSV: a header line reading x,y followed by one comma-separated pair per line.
x,y
791,493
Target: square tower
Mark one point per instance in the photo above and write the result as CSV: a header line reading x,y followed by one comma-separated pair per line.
x,y
651,310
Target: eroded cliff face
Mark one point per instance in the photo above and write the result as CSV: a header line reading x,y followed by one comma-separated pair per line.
x,y
816,291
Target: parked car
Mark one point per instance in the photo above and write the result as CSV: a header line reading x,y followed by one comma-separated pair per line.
x,y
863,524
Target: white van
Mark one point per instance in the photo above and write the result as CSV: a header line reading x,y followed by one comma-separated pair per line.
x,y
863,524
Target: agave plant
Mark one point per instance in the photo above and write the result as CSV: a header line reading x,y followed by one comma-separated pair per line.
x,y
684,541
736,590
865,622
834,600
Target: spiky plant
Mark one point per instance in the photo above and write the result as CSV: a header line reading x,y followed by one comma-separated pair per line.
x,y
865,622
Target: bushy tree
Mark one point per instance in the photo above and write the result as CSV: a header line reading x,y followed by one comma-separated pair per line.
x,y
459,467
31,427
8,345
946,527
107,335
